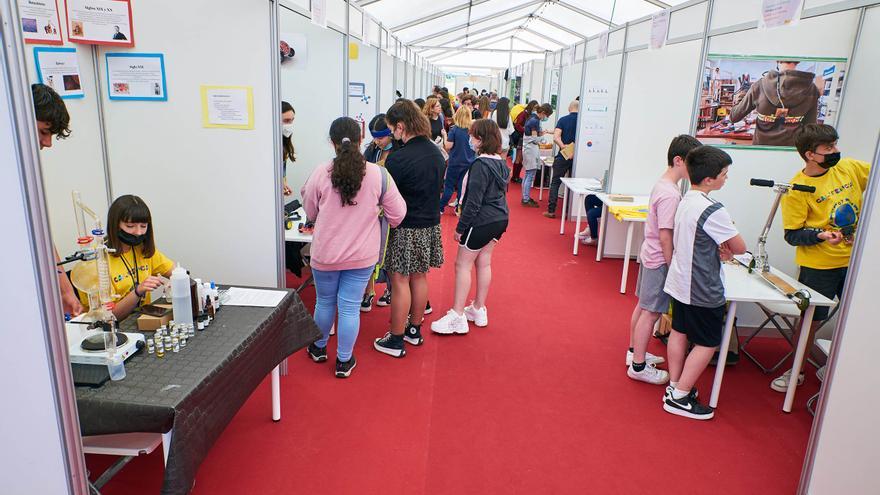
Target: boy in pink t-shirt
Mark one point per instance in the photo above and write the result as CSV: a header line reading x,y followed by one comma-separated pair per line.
x,y
656,255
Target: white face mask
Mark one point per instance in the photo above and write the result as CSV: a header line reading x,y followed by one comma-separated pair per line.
x,y
474,145
287,130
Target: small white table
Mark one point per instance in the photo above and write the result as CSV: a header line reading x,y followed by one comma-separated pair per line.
x,y
742,286
546,161
581,187
294,235
630,224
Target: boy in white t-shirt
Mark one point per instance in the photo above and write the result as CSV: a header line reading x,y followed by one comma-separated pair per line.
x,y
704,236
656,254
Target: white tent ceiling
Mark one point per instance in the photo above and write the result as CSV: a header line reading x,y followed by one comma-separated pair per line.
x,y
479,32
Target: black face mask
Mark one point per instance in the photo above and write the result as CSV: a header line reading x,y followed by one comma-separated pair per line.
x,y
830,160
131,239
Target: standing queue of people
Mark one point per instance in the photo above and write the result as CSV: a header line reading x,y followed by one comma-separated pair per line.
x,y
377,218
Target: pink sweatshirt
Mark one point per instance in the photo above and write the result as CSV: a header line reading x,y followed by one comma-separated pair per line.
x,y
347,237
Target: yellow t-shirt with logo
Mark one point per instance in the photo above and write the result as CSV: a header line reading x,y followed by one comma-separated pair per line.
x,y
836,205
122,277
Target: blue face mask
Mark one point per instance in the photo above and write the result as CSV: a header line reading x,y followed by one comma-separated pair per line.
x,y
545,119
387,146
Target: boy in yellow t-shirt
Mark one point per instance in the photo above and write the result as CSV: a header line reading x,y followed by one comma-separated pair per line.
x,y
822,224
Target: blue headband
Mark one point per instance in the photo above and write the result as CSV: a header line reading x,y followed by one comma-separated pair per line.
x,y
380,134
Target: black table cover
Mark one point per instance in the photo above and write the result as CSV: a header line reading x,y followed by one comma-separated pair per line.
x,y
198,390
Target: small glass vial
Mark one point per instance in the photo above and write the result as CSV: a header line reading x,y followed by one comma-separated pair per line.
x,y
182,341
191,331
151,346
160,349
167,341
175,344
158,333
200,325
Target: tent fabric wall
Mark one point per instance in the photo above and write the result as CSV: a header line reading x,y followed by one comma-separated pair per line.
x,y
386,91
188,178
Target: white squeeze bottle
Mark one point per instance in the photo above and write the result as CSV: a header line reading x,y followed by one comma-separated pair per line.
x,y
181,304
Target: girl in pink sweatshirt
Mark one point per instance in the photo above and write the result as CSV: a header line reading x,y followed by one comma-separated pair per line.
x,y
344,198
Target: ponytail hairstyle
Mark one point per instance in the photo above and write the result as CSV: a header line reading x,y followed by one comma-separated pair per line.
x,y
502,112
349,166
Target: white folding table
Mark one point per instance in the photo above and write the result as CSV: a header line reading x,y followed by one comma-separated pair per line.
x,y
292,235
581,187
630,224
742,286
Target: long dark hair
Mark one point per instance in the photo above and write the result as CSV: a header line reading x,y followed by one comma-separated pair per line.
x,y
531,107
447,107
349,166
502,112
413,120
286,142
129,208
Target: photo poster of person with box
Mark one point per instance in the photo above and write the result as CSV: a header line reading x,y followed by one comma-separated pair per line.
x,y
760,101
58,68
294,51
100,22
39,22
136,76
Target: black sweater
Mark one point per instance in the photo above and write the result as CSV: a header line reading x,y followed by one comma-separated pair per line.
x,y
485,197
417,170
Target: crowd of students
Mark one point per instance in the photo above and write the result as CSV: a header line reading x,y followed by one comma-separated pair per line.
x,y
377,216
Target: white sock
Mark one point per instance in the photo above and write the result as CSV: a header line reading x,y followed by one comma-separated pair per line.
x,y
673,384
679,394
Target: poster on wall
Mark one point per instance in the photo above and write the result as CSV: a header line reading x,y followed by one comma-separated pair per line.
x,y
319,13
100,22
775,13
763,100
659,29
597,121
136,76
39,22
294,51
227,107
58,68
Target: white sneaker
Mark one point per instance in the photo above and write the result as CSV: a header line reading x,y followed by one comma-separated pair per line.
x,y
649,358
451,323
585,233
648,375
780,384
588,241
480,317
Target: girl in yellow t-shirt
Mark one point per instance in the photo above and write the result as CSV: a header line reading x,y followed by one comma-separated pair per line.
x,y
136,262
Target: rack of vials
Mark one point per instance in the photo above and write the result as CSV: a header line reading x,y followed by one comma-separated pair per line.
x,y
173,338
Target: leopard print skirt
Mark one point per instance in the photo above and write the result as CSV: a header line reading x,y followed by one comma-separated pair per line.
x,y
414,250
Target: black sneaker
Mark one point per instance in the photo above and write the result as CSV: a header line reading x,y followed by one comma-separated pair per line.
x,y
391,344
413,334
428,308
343,370
688,407
732,359
367,303
318,354
385,300
668,393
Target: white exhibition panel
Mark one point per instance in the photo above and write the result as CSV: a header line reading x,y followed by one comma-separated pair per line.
x,y
727,13
194,178
597,114
858,123
32,434
639,34
399,79
315,94
336,13
411,81
537,89
74,163
658,94
363,71
687,21
569,89
386,92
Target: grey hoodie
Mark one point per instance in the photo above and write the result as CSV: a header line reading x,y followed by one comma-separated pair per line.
x,y
485,196
793,90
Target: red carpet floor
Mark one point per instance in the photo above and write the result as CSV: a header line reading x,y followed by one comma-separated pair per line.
x,y
536,403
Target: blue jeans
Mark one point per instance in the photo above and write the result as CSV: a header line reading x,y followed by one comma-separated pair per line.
x,y
343,289
593,207
452,183
528,180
